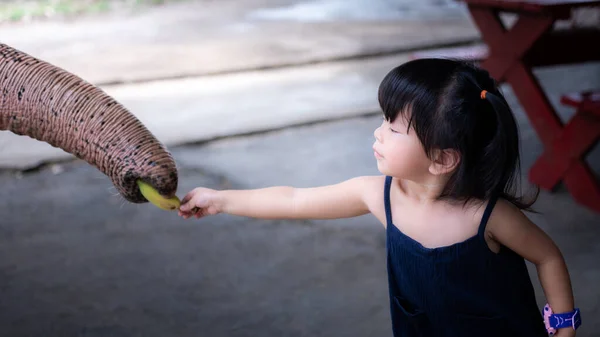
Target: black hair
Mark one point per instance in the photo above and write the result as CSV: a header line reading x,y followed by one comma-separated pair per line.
x,y
441,99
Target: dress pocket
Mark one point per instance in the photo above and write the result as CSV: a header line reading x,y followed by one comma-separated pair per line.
x,y
408,320
489,326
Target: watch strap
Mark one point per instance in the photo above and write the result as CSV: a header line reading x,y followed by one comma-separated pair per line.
x,y
566,320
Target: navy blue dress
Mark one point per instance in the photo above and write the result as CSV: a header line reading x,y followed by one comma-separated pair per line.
x,y
463,289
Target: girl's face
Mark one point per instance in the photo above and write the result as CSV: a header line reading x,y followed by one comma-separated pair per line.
x,y
399,153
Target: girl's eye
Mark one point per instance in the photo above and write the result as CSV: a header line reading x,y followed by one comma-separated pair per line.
x,y
394,131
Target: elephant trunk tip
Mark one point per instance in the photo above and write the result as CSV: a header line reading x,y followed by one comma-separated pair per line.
x,y
164,180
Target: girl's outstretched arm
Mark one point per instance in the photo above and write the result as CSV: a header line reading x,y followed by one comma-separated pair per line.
x,y
342,200
510,227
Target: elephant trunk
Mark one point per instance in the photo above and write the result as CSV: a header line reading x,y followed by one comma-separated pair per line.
x,y
49,104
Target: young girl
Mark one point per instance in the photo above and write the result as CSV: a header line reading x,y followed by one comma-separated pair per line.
x,y
457,240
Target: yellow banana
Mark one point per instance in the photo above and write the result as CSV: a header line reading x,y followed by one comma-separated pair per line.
x,y
152,195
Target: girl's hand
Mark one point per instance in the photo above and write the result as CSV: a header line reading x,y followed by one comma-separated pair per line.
x,y
199,202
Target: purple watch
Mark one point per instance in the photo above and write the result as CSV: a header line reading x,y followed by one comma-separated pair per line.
x,y
558,321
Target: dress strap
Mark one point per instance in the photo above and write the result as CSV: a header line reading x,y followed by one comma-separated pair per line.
x,y
486,215
386,199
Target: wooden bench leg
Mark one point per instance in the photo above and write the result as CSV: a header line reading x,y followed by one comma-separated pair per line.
x,y
564,160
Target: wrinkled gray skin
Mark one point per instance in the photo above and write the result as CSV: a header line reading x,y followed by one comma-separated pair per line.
x,y
49,104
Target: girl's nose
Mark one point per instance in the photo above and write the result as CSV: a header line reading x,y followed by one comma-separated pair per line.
x,y
377,134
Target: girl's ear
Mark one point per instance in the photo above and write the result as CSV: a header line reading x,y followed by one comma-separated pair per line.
x,y
444,161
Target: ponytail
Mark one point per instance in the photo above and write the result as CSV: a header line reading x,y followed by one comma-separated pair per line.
x,y
505,142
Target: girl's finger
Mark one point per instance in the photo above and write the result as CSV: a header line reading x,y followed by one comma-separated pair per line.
x,y
187,197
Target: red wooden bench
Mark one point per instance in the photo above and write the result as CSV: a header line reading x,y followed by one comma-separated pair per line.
x,y
513,52
564,158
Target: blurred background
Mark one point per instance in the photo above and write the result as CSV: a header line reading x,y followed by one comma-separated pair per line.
x,y
245,94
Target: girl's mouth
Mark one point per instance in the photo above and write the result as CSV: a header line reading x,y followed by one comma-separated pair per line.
x,y
377,154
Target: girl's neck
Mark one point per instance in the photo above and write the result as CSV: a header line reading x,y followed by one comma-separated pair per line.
x,y
426,191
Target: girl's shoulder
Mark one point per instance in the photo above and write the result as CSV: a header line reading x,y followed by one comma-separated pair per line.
x,y
372,187
504,212
372,192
